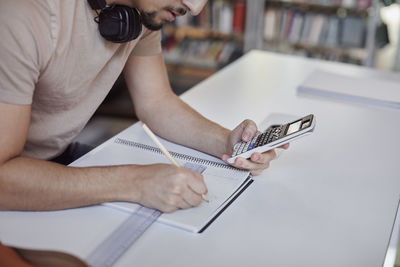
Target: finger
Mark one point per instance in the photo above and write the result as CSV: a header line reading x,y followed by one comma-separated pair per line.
x,y
196,183
166,208
192,198
249,130
241,163
183,204
264,157
245,164
285,146
175,201
225,157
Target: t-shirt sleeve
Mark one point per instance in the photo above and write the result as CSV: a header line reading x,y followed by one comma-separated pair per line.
x,y
19,59
149,44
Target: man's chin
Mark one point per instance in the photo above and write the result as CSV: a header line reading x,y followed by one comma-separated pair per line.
x,y
152,26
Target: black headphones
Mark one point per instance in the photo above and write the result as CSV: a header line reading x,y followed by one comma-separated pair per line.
x,y
118,24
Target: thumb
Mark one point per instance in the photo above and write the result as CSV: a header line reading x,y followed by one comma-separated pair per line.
x,y
245,131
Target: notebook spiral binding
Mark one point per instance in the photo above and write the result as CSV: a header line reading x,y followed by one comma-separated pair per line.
x,y
174,154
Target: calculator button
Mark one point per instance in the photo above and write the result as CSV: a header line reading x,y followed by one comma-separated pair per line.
x,y
258,141
246,147
236,147
241,147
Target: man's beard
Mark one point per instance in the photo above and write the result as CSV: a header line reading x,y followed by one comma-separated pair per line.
x,y
148,18
148,21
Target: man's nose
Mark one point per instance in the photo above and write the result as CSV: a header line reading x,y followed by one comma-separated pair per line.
x,y
195,6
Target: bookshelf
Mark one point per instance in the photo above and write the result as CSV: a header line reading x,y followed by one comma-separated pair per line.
x,y
338,30
341,30
196,47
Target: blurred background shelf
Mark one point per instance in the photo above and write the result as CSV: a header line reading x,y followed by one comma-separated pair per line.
x,y
343,24
327,7
206,42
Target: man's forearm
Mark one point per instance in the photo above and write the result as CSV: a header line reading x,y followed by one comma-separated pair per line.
x,y
165,113
176,121
30,184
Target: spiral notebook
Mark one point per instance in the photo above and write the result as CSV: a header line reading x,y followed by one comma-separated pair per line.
x,y
224,183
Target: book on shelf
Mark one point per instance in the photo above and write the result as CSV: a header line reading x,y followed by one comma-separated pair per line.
x,y
269,24
352,32
363,4
356,4
332,32
297,27
308,22
239,16
288,23
313,29
316,30
225,15
348,3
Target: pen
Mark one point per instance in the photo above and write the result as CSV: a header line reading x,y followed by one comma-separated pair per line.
x,y
164,150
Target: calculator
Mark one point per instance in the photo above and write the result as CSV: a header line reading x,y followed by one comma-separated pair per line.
x,y
274,136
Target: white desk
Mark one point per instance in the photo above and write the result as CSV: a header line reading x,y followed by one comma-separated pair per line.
x,y
328,201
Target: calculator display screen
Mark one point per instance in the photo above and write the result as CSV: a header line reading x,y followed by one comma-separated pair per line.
x,y
294,127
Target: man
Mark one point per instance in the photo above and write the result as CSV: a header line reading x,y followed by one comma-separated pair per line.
x,y
55,70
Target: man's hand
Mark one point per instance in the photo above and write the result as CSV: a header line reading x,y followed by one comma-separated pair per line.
x,y
258,161
168,188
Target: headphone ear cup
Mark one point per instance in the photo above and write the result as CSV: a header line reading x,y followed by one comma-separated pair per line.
x,y
135,20
120,24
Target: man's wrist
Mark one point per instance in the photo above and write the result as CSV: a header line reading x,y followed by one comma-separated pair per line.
x,y
126,183
224,142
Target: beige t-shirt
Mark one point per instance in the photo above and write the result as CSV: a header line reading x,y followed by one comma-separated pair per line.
x,y
53,57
